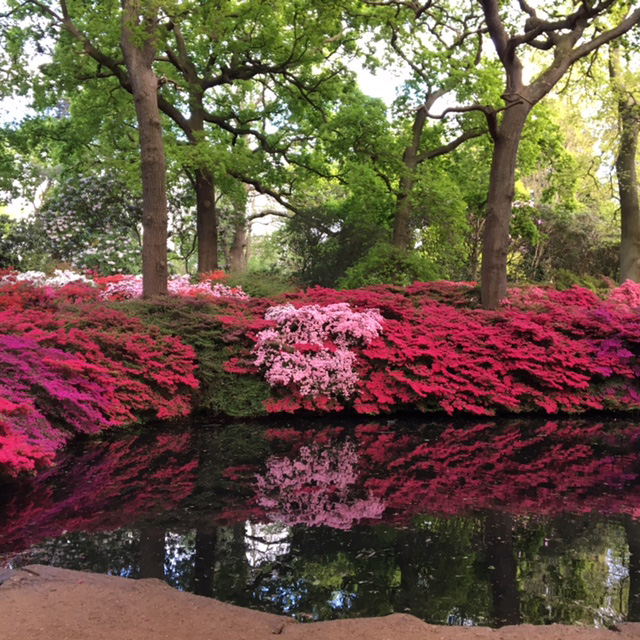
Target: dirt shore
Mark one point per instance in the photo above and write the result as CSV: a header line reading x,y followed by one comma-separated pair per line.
x,y
43,603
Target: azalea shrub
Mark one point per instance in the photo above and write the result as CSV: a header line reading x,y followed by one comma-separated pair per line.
x,y
125,287
543,350
69,364
85,353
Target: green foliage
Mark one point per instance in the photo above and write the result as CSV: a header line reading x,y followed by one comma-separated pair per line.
x,y
262,284
197,325
7,256
563,279
386,264
328,240
564,243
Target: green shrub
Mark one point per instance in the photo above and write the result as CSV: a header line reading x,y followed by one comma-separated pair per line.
x,y
564,279
195,323
385,264
260,284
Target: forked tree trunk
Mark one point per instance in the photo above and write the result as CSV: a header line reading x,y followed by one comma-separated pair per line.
x,y
495,242
141,16
206,221
629,118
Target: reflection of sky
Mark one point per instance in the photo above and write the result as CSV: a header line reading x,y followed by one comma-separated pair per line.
x,y
266,542
179,550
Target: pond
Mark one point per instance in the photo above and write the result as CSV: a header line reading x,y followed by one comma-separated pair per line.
x,y
486,523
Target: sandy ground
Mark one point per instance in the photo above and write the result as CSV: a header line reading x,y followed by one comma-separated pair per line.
x,y
43,603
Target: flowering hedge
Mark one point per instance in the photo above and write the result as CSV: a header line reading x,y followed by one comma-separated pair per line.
x,y
80,354
544,350
70,364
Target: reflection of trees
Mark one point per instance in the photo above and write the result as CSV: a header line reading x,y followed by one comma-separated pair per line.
x,y
570,569
177,504
503,569
152,552
632,528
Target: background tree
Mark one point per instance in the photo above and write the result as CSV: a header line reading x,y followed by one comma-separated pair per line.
x,y
626,95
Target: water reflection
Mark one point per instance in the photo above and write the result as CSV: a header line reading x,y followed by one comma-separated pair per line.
x,y
492,523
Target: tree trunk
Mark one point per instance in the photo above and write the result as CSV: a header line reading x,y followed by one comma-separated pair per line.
x,y
152,553
207,221
495,243
239,252
503,569
402,220
629,117
144,84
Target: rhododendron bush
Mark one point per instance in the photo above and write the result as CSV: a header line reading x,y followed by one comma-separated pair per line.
x,y
123,287
310,347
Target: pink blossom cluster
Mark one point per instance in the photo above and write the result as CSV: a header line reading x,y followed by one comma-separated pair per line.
x,y
316,488
626,295
310,347
128,287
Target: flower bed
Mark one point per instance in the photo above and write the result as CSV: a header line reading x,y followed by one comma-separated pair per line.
x,y
79,355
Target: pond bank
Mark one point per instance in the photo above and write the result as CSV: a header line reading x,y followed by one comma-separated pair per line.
x,y
44,603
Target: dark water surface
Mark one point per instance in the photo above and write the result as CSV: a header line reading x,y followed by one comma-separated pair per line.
x,y
480,523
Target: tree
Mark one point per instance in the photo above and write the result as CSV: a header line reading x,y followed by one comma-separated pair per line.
x,y
237,82
439,66
138,40
570,37
626,97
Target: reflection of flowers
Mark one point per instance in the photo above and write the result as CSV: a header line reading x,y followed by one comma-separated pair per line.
x,y
316,489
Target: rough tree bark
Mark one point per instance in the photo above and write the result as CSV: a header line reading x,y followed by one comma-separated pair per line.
x,y
138,42
629,118
206,221
239,251
495,241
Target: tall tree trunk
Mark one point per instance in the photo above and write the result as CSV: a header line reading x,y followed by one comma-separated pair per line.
x,y
239,251
495,243
139,58
402,220
503,569
152,553
629,118
632,528
206,544
207,221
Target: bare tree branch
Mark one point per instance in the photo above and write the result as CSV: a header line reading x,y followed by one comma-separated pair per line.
x,y
454,144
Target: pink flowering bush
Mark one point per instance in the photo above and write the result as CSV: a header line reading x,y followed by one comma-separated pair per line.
x,y
310,347
126,287
71,365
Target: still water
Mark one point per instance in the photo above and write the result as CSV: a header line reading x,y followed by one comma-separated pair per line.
x,y
489,523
